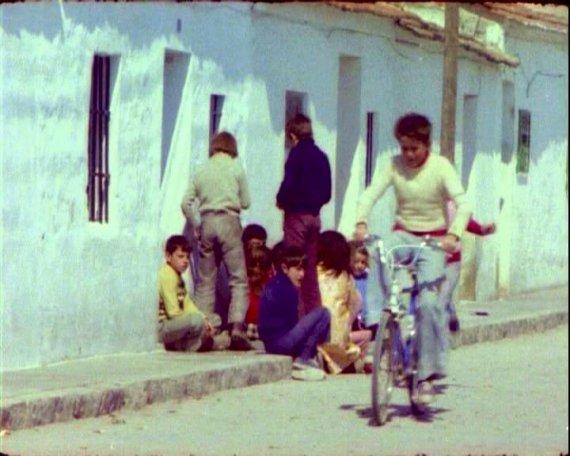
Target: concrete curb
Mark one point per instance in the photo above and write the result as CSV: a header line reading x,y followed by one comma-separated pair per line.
x,y
76,403
82,402
490,331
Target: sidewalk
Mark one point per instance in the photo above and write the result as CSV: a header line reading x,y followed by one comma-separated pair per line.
x,y
101,385
522,314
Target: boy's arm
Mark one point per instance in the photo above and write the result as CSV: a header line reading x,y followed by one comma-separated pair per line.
x,y
474,227
244,197
189,306
456,192
289,178
188,202
327,194
168,291
381,181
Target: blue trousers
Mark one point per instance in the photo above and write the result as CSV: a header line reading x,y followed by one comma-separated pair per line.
x,y
430,315
302,340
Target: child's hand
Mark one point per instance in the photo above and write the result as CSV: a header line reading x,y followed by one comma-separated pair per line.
x,y
449,243
489,229
210,330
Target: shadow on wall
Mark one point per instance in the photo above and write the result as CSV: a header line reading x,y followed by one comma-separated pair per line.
x,y
143,28
175,71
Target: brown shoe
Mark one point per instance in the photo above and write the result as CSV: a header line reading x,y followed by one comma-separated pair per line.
x,y
207,344
222,341
240,342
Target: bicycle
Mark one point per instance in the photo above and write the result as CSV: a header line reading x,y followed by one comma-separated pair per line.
x,y
395,346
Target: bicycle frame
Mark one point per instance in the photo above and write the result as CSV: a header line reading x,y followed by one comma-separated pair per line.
x,y
399,343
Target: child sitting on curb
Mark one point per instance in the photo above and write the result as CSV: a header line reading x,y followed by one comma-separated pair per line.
x,y
280,329
359,261
259,271
181,326
340,296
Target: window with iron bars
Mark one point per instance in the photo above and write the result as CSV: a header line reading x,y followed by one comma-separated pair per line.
x,y
216,106
523,151
370,147
98,147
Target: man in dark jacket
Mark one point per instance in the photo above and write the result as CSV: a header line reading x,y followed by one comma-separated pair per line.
x,y
306,187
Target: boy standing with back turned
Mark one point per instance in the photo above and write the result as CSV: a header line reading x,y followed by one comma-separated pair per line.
x,y
220,191
306,187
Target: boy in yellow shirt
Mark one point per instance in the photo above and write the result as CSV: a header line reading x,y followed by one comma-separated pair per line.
x,y
181,325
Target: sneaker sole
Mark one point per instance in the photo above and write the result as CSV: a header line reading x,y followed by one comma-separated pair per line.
x,y
295,375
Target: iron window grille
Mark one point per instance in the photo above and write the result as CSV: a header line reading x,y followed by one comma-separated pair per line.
x,y
523,150
370,143
98,146
216,107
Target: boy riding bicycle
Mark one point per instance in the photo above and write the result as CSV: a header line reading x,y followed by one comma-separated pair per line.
x,y
423,183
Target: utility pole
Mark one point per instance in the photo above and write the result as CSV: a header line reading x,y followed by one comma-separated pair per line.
x,y
449,101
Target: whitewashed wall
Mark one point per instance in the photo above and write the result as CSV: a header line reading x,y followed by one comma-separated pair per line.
x,y
539,203
72,289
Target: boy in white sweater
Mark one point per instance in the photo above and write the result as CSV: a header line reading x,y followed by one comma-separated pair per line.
x,y
423,183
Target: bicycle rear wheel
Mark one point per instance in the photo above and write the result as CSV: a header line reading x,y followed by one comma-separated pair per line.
x,y
383,373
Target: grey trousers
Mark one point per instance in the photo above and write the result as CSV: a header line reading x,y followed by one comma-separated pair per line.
x,y
220,234
431,333
187,328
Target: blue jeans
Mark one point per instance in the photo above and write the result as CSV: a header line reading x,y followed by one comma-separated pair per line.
x,y
447,294
372,308
430,315
302,340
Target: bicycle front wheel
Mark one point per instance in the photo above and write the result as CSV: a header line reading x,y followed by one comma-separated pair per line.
x,y
383,373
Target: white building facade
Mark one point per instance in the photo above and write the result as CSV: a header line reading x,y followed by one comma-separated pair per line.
x,y
74,287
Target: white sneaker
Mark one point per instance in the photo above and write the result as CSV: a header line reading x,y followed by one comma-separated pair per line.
x,y
425,393
308,374
299,364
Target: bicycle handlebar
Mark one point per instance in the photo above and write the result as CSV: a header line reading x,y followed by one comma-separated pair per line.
x,y
387,255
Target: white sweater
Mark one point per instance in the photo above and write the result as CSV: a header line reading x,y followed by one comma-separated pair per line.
x,y
421,195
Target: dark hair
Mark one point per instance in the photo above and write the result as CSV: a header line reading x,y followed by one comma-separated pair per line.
x,y
253,231
177,241
291,256
333,252
300,126
276,252
358,247
224,142
413,125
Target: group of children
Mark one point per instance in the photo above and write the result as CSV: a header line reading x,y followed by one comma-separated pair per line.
x,y
307,296
274,279
227,257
